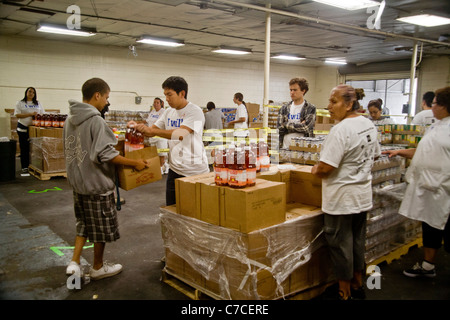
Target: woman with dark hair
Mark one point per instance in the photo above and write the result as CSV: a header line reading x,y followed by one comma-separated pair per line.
x,y
427,195
26,108
345,167
375,112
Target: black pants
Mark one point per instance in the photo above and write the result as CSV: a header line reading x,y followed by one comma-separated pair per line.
x,y
24,143
170,187
432,237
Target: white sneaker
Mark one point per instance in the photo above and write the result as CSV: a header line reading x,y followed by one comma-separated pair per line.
x,y
107,270
73,268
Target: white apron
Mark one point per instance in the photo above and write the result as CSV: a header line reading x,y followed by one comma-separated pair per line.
x,y
427,196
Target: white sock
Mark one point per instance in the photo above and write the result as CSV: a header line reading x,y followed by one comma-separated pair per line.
x,y
427,266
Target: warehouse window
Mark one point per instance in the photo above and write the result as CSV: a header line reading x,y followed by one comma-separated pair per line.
x,y
393,92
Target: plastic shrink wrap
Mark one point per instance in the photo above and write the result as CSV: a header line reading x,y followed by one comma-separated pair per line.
x,y
269,263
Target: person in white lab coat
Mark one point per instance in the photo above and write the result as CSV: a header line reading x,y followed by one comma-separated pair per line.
x,y
427,196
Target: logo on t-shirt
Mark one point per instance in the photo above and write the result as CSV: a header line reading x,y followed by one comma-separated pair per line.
x,y
174,123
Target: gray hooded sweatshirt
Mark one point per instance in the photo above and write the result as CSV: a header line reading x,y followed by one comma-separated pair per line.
x,y
89,146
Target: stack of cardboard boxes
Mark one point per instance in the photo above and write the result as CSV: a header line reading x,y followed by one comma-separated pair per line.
x,y
260,242
47,150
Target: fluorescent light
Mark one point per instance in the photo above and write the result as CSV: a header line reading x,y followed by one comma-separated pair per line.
x,y
426,20
335,61
350,4
288,57
64,30
161,42
228,50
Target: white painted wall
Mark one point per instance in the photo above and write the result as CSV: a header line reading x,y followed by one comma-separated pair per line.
x,y
57,70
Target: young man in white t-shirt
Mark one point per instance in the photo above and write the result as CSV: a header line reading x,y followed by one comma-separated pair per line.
x,y
183,125
296,118
241,119
426,116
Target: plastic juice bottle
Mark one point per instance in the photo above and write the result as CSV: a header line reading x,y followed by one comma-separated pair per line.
x,y
47,120
37,123
264,156
255,148
220,167
250,164
135,140
237,177
55,121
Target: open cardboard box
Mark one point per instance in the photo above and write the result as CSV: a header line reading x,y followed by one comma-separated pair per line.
x,y
129,178
251,208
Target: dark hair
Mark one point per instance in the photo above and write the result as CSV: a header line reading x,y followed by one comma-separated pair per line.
x,y
92,86
428,98
35,101
210,105
350,94
240,97
443,97
375,103
160,101
177,84
302,83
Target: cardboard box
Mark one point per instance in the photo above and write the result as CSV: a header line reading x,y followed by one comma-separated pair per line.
x,y
245,209
323,123
187,193
38,132
252,108
253,208
129,178
47,154
233,265
301,185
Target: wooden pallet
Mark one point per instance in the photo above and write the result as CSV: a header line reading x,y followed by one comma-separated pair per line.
x,y
398,252
196,292
45,175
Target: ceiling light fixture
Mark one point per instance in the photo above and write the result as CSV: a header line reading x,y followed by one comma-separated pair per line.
x,y
288,57
57,29
350,4
161,42
426,20
336,61
229,50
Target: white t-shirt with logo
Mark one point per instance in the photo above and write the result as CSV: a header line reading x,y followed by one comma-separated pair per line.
x,y
350,147
294,117
28,107
424,117
153,116
186,157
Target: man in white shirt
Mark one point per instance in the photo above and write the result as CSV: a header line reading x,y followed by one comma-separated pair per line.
x,y
241,119
425,117
183,125
296,118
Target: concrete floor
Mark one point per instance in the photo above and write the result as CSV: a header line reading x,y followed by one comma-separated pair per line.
x,y
36,216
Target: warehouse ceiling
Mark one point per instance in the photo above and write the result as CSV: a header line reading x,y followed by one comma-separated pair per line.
x,y
298,27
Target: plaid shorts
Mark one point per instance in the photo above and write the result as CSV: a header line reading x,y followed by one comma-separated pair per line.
x,y
96,217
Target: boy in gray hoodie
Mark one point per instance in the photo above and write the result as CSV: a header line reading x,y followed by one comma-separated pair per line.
x,y
90,164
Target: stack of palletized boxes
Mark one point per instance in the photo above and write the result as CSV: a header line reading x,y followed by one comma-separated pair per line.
x,y
47,149
260,242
